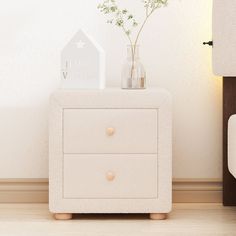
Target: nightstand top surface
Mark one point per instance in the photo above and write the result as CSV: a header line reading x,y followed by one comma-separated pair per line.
x,y
114,90
112,98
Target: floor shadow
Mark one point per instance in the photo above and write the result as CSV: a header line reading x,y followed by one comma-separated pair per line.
x,y
111,216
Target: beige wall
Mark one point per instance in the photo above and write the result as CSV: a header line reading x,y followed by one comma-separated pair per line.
x,y
34,32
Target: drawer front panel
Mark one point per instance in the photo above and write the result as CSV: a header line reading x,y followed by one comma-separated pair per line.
x,y
110,131
110,176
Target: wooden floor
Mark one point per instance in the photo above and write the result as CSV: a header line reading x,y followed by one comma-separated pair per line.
x,y
185,220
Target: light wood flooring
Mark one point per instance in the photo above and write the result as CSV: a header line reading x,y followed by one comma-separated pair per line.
x,y
185,219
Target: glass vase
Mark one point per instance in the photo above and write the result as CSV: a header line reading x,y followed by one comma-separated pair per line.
x,y
133,72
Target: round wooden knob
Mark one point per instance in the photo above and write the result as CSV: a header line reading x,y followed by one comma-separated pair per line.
x,y
110,131
110,176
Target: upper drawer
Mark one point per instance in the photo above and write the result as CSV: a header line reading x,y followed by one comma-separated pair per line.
x,y
110,131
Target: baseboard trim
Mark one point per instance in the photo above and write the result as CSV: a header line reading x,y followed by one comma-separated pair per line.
x,y
184,191
197,191
23,190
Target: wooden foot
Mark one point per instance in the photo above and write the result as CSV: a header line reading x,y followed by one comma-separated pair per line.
x,y
63,216
158,216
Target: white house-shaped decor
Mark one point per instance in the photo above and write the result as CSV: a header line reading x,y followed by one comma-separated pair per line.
x,y
83,63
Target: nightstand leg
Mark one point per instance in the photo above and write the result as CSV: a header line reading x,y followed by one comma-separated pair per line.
x,y
158,216
62,216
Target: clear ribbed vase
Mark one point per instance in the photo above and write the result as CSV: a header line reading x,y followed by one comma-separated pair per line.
x,y
133,72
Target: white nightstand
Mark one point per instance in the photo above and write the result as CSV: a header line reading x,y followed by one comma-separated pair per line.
x,y
110,152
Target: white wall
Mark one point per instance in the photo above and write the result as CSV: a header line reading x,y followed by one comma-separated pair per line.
x,y
34,32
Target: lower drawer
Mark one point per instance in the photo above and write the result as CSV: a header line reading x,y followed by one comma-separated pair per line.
x,y
110,176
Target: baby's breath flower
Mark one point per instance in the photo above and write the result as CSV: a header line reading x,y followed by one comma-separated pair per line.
x,y
119,22
130,17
